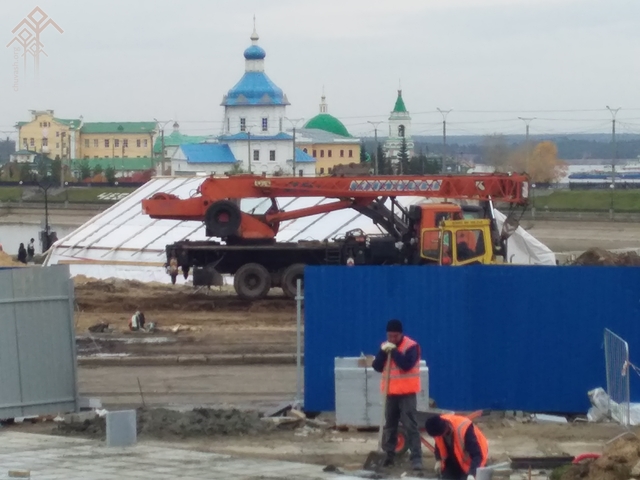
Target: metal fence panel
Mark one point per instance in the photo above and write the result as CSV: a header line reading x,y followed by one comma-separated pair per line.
x,y
521,338
616,353
37,342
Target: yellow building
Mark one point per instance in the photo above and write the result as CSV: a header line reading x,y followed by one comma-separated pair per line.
x,y
74,139
327,139
117,140
51,136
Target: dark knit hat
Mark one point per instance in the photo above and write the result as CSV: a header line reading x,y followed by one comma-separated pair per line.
x,y
435,426
394,326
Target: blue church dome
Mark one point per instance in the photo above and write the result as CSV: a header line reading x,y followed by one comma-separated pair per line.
x,y
255,52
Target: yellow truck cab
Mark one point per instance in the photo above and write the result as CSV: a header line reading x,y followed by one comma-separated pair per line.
x,y
458,242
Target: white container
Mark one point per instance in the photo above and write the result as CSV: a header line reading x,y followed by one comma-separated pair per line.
x,y
358,397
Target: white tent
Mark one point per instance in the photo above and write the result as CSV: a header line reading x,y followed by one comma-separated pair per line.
x,y
122,242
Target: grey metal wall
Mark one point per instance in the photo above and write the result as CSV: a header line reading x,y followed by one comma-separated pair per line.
x,y
37,342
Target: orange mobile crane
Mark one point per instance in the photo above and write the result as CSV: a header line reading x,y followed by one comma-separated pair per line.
x,y
437,233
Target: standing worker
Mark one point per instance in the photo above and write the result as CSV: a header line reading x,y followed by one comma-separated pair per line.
x,y
460,447
404,384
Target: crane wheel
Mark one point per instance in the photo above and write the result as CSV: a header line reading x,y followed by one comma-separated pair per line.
x,y
222,219
290,279
252,281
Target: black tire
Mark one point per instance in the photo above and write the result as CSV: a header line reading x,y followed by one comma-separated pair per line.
x,y
222,219
252,281
290,278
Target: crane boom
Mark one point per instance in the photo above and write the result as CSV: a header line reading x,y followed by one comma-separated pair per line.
x,y
509,188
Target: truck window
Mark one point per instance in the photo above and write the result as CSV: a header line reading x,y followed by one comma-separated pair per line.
x,y
431,244
446,248
469,244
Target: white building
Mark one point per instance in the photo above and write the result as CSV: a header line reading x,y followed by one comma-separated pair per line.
x,y
399,127
253,131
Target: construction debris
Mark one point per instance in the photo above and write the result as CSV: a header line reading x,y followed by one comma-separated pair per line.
x,y
616,463
162,423
601,257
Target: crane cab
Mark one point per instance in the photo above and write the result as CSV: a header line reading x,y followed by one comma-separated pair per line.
x,y
447,238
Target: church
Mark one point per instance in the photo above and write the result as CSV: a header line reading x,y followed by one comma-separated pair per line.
x,y
253,138
399,128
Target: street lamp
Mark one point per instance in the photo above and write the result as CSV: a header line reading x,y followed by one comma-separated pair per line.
x,y
533,200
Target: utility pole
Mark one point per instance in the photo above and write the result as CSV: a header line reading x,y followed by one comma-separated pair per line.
x,y
614,155
249,148
375,130
161,128
444,136
294,124
527,122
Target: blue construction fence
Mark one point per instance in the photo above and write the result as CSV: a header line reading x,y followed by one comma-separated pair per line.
x,y
498,337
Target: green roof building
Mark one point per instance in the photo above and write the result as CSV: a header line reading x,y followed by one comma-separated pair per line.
x,y
174,140
328,123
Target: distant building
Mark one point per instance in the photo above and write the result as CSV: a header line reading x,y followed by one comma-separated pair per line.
x,y
328,141
117,139
399,127
172,142
72,140
49,135
23,156
253,138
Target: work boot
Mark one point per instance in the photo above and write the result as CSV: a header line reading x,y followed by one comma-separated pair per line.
x,y
388,461
416,465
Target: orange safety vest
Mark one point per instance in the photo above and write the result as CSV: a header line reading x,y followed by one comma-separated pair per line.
x,y
401,382
460,426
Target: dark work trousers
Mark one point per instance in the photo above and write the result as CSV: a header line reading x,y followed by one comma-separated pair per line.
x,y
402,408
453,471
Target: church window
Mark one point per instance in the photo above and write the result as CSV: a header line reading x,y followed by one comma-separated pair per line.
x,y
401,131
342,153
228,125
256,155
272,155
95,142
280,124
243,124
265,124
314,154
322,171
350,153
300,173
328,153
305,150
321,153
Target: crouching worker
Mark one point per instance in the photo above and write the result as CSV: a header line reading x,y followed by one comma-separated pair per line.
x,y
460,446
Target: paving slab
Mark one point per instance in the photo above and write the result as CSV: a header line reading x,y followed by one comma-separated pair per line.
x,y
55,458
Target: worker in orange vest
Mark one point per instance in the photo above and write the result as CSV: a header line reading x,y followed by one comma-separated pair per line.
x,y
404,384
460,446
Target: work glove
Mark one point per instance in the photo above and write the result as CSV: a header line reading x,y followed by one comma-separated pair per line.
x,y
438,467
388,346
471,477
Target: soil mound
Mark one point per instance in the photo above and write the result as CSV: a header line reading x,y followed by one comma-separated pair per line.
x,y
616,463
601,257
163,423
7,260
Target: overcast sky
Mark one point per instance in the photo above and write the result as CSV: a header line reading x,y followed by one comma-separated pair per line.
x,y
491,61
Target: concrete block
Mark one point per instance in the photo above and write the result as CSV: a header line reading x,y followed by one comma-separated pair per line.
x,y
19,474
121,428
542,418
79,417
90,403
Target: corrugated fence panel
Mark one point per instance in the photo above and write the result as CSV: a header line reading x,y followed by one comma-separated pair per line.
x,y
37,329
521,338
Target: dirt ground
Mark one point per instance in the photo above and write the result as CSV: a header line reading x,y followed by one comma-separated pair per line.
x,y
212,323
345,450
